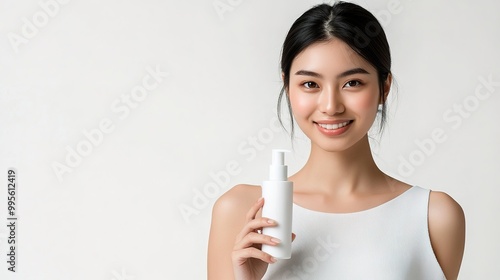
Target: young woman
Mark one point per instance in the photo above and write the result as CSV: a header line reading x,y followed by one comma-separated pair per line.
x,y
350,219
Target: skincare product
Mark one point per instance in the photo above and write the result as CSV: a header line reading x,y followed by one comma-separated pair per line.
x,y
278,202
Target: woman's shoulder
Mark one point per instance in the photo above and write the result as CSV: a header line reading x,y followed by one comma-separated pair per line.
x,y
445,216
443,209
238,199
446,220
228,219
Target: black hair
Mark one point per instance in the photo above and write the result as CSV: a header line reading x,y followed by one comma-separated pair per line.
x,y
348,22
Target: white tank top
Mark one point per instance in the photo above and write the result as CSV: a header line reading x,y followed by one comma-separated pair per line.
x,y
388,242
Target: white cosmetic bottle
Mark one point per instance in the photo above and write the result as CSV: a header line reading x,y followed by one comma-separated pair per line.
x,y
278,205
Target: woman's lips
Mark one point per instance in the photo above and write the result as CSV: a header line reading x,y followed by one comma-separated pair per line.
x,y
333,128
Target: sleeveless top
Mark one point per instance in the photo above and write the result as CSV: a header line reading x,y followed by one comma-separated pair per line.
x,y
387,242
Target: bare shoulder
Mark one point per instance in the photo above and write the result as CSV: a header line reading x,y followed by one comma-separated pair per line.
x,y
228,218
443,206
447,232
230,209
444,211
238,198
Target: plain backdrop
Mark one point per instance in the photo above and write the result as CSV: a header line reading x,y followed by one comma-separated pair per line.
x,y
126,120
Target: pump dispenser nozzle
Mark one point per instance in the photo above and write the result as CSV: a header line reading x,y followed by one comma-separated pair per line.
x,y
279,157
278,171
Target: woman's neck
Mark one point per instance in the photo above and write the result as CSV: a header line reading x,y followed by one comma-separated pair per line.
x,y
339,172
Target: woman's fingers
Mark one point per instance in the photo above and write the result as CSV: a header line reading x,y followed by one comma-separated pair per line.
x,y
255,238
254,209
249,261
254,225
245,246
241,256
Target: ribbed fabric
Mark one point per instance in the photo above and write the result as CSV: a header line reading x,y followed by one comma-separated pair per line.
x,y
388,242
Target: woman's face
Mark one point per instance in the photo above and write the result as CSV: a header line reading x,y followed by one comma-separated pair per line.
x,y
334,94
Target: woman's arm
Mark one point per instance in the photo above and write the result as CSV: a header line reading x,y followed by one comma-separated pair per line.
x,y
447,232
228,218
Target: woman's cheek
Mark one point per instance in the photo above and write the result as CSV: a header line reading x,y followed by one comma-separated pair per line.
x,y
365,102
302,104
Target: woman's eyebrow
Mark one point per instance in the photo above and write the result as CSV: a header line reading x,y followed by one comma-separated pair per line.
x,y
341,75
352,72
308,73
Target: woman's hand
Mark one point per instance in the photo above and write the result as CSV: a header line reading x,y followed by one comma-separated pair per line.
x,y
249,262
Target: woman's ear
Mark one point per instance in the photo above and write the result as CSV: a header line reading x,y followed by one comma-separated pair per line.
x,y
387,87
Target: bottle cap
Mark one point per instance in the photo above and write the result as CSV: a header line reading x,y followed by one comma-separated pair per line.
x,y
278,170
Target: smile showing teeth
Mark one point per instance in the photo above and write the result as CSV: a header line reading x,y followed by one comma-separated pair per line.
x,y
333,126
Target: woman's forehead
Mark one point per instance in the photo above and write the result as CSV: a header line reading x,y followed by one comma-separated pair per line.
x,y
330,56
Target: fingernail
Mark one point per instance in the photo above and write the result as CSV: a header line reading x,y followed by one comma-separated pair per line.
x,y
273,260
275,240
269,221
260,199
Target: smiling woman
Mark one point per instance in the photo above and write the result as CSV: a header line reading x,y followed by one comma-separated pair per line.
x,y
350,219
327,99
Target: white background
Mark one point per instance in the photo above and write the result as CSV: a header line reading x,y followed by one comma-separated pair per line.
x,y
117,214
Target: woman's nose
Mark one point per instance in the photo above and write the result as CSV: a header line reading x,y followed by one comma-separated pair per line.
x,y
330,103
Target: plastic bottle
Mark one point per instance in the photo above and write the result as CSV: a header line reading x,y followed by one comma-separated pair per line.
x,y
278,205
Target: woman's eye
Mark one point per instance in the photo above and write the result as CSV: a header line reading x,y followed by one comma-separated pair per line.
x,y
310,85
352,83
